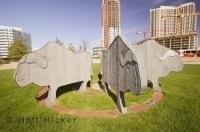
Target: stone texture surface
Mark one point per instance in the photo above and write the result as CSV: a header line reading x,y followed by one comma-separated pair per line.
x,y
155,61
120,71
120,68
53,65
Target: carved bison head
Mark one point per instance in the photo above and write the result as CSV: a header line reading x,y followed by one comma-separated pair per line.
x,y
172,61
131,77
22,73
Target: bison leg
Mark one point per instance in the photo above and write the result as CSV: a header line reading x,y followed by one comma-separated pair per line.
x,y
155,84
83,86
121,102
106,88
51,96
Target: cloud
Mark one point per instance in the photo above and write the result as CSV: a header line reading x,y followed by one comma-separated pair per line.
x,y
156,2
135,30
140,10
168,2
181,1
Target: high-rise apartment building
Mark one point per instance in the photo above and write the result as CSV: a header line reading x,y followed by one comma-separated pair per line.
x,y
110,21
174,26
8,35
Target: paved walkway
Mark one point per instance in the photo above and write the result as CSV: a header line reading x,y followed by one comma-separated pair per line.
x,y
157,96
191,60
12,65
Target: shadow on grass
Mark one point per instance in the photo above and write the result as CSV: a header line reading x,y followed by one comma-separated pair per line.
x,y
67,88
61,90
111,94
106,89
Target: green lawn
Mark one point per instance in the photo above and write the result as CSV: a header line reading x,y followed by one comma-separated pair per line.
x,y
77,100
178,111
95,71
100,101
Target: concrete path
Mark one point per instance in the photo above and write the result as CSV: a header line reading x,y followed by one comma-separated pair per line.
x,y
12,65
191,60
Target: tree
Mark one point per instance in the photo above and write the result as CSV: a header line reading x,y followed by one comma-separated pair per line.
x,y
17,49
84,46
71,47
58,41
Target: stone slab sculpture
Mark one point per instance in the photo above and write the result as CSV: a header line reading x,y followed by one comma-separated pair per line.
x,y
53,65
120,71
155,61
130,67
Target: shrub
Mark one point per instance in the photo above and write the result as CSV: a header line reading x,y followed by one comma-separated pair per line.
x,y
1,62
4,61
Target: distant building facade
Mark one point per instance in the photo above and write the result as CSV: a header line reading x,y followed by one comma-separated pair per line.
x,y
97,52
8,35
174,27
110,21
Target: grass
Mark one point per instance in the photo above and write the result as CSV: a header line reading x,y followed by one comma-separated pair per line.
x,y
178,111
100,101
95,70
77,100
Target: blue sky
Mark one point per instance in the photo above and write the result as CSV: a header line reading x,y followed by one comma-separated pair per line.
x,y
76,20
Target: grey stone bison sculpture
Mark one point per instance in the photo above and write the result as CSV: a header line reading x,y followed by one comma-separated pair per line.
x,y
120,71
155,61
53,65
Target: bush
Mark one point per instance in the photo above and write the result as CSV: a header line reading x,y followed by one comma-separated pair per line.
x,y
2,61
17,50
6,61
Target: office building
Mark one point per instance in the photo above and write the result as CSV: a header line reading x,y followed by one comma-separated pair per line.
x,y
97,50
8,35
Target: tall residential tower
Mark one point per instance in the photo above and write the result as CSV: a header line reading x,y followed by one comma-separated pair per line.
x,y
175,26
110,21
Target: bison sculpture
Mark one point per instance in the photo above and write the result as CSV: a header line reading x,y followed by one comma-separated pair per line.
x,y
120,71
155,61
53,65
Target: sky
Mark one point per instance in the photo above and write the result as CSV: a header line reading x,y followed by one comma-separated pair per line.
x,y
73,21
